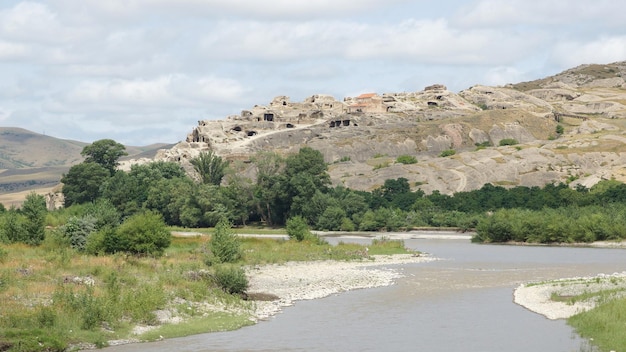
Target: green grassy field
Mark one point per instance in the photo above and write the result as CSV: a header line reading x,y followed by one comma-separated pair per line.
x,y
52,297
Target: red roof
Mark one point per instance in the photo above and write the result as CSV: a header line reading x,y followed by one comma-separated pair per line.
x,y
366,95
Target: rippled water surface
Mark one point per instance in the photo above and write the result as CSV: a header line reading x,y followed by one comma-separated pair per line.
x,y
463,302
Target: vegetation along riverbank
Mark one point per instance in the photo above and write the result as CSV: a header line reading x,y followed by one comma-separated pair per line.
x,y
55,297
106,264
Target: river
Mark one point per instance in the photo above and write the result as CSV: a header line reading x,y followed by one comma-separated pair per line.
x,y
463,302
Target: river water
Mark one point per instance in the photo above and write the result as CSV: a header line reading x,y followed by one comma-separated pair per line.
x,y
463,302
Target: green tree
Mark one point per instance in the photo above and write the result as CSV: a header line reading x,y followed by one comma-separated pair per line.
x,y
129,191
239,195
77,230
298,229
170,197
331,219
305,174
12,228
34,210
210,167
105,152
143,233
82,183
225,246
269,187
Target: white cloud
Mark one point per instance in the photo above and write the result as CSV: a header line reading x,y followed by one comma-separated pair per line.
x,y
145,98
13,51
132,67
603,50
128,10
545,12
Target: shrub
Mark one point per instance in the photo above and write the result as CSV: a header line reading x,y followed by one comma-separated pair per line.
x,y
447,152
225,246
13,227
297,228
559,129
482,145
96,242
232,279
144,233
381,165
406,159
347,225
331,218
77,230
508,141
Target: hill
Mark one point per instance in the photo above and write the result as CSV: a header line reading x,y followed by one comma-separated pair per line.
x,y
34,162
362,137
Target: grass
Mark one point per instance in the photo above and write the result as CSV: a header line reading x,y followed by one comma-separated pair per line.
x,y
52,297
604,324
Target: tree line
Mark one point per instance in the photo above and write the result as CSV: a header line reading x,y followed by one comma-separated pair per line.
x,y
99,196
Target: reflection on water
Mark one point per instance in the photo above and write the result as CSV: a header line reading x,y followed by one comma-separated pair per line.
x,y
461,303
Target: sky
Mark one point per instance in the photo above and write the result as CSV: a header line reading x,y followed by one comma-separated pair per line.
x,y
146,71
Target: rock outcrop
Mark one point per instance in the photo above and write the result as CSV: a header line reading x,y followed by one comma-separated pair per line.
x,y
360,137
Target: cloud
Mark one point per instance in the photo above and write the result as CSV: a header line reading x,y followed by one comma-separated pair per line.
x,y
425,40
551,13
129,10
603,50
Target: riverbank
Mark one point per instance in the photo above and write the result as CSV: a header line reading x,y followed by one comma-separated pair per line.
x,y
294,281
563,298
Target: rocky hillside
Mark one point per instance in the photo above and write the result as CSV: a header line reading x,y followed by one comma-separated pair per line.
x,y
361,137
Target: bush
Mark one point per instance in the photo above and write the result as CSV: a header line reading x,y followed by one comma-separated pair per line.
x,y
331,219
77,230
144,233
12,228
508,141
297,228
559,129
406,159
232,279
448,152
225,246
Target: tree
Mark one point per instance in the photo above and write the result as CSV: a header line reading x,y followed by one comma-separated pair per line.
x,y
269,187
82,183
105,152
143,233
34,210
305,174
225,246
12,228
298,229
129,191
210,167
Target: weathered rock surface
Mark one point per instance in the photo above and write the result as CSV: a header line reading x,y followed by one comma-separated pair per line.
x,y
360,137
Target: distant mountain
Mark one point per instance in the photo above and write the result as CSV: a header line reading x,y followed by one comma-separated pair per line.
x,y
20,148
31,161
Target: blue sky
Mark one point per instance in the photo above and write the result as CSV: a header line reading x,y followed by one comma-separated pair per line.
x,y
145,71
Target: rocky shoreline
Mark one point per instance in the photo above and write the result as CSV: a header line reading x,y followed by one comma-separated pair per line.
x,y
294,281
552,298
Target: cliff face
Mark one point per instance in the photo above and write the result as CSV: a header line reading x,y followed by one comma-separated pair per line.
x,y
361,137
